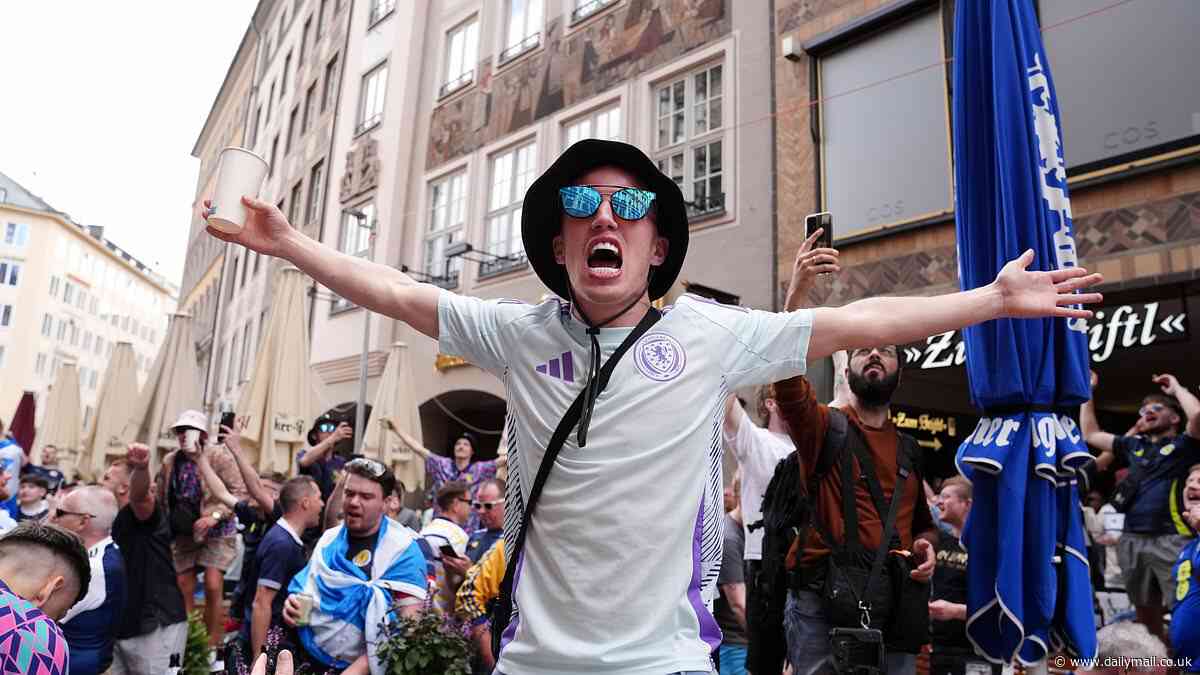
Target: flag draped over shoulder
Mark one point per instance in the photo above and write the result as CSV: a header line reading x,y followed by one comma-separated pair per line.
x,y
350,607
1028,586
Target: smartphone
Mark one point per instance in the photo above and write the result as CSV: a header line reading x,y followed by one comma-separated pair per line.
x,y
228,419
447,551
823,220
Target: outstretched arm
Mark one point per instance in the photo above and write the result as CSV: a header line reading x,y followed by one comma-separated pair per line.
x,y
1096,437
140,497
1016,293
254,486
408,440
213,482
379,288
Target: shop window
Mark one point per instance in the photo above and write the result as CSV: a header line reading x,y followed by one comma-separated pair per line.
x,y
1125,76
884,146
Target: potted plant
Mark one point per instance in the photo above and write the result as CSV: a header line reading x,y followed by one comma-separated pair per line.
x,y
424,644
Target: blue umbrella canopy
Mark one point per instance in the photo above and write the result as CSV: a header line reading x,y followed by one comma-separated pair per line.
x,y
1025,374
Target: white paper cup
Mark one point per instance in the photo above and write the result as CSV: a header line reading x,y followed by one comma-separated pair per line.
x,y
241,173
306,602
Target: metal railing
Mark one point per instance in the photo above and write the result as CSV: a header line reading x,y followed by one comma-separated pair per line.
x,y
496,266
368,123
380,9
456,84
528,43
589,8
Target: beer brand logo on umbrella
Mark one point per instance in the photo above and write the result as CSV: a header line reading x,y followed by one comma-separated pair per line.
x,y
660,357
1053,171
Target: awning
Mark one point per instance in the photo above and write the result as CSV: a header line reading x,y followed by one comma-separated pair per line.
x,y
110,431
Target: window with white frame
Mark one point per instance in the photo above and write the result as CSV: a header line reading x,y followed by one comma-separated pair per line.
x,y
39,365
6,312
689,143
447,213
859,85
370,98
10,273
604,124
355,238
316,187
55,282
16,234
47,325
69,293
99,345
462,51
511,173
524,29
2,349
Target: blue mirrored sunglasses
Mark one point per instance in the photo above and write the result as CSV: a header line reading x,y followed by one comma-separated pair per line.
x,y
582,201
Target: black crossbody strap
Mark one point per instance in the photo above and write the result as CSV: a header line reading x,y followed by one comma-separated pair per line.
x,y
889,529
565,425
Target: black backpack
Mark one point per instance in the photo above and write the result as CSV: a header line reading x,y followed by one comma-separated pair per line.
x,y
788,510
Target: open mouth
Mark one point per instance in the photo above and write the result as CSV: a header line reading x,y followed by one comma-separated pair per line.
x,y
604,258
878,367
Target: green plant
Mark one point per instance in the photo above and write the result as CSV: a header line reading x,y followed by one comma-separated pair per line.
x,y
424,645
195,652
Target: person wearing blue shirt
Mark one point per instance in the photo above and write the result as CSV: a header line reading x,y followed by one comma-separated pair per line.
x,y
278,557
1158,457
90,625
12,458
489,506
1185,618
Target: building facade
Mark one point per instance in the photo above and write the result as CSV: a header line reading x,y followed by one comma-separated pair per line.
x,y
451,108
863,99
205,262
68,294
291,103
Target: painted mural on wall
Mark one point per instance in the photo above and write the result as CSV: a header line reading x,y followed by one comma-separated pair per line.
x,y
600,54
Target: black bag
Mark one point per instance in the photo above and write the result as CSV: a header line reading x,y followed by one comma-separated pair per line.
x,y
788,510
500,611
181,516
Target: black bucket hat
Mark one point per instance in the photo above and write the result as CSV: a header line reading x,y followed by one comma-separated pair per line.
x,y
541,215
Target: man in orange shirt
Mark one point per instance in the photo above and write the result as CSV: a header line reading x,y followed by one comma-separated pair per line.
x,y
873,376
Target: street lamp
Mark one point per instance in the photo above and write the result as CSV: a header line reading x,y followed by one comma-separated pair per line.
x,y
360,410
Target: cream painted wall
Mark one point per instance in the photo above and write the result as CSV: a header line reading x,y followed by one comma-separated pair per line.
x,y
59,249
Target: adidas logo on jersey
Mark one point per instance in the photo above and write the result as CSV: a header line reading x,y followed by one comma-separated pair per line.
x,y
560,368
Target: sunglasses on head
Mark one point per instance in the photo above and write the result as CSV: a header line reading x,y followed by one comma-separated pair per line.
x,y
373,467
486,506
582,201
59,513
326,427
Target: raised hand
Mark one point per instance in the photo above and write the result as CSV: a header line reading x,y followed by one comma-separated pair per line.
x,y
809,263
266,229
138,456
233,435
342,432
1167,382
1030,295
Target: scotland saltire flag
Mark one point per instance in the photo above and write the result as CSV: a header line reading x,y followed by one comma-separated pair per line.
x,y
1028,587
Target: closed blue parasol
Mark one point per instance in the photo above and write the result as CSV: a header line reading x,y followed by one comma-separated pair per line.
x,y
1028,585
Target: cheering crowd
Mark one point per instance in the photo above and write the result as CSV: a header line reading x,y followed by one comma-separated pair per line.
x,y
607,545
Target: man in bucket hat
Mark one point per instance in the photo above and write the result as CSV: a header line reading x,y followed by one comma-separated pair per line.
x,y
620,563
204,529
